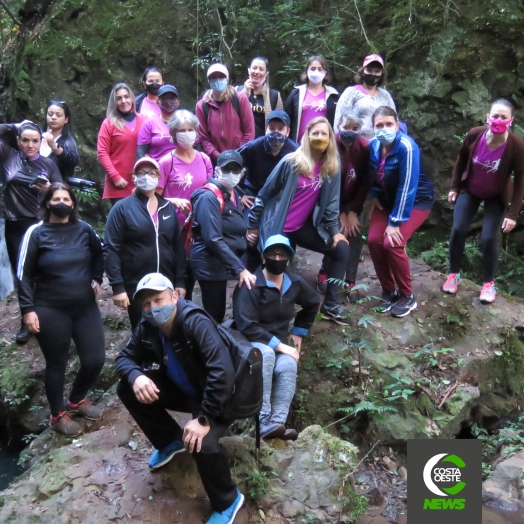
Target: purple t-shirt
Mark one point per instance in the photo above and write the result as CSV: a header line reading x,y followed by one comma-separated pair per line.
x,y
304,201
379,177
131,125
483,180
179,179
154,131
313,106
149,108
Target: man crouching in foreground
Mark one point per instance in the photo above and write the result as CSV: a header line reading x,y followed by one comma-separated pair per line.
x,y
177,360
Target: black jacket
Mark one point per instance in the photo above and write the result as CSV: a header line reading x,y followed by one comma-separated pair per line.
x,y
200,350
263,314
57,264
220,238
133,247
138,101
68,160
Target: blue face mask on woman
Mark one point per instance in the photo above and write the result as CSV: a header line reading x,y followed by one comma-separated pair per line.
x,y
386,136
218,85
348,137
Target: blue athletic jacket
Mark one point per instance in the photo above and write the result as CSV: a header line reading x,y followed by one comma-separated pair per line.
x,y
406,185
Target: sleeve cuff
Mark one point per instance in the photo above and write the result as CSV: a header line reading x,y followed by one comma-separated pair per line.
x,y
273,343
118,289
300,332
133,375
25,310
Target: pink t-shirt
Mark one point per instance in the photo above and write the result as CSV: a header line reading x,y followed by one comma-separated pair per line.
x,y
379,177
313,106
156,133
179,179
304,201
149,108
483,180
131,125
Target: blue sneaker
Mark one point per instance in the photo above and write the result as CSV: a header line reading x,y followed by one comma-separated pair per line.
x,y
162,456
228,515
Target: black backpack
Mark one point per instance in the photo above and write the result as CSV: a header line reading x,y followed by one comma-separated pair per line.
x,y
234,101
246,396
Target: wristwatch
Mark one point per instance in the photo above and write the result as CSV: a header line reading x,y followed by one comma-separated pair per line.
x,y
202,420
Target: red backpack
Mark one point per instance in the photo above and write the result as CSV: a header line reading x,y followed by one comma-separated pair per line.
x,y
187,229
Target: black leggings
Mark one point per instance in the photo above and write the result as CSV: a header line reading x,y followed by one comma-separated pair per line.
x,y
14,233
58,325
214,294
466,208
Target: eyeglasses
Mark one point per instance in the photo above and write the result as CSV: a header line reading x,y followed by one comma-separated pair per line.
x,y
150,173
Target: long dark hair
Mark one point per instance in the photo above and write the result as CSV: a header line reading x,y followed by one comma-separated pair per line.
x,y
29,125
45,213
67,130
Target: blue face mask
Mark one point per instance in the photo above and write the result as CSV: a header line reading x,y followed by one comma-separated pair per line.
x,y
348,137
159,315
386,136
218,85
275,139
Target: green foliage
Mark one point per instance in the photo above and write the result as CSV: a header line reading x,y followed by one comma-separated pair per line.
x,y
429,356
257,483
399,389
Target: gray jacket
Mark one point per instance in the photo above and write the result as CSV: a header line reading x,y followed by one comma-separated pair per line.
x,y
271,206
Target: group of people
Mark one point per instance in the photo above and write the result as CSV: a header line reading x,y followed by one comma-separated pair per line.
x,y
228,193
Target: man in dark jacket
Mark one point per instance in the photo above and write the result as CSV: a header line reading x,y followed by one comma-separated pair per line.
x,y
263,315
177,360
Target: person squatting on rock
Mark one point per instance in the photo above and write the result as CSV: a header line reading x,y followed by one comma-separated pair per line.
x,y
355,184
488,158
177,360
60,271
402,199
263,315
142,235
25,175
117,142
300,200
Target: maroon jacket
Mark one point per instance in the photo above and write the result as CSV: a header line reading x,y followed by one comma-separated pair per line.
x,y
224,129
512,161
354,185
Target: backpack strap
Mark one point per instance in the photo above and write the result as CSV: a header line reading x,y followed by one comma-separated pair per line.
x,y
236,104
218,194
273,98
205,108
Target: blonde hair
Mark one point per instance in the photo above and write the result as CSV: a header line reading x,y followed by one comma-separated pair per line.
x,y
303,159
228,95
112,109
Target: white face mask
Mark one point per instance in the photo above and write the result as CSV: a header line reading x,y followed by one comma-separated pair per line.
x,y
146,182
229,180
185,139
315,77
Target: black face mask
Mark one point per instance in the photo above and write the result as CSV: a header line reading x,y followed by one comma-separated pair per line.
x,y
371,80
276,267
153,88
61,210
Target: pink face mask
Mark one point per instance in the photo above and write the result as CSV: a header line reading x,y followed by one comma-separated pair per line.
x,y
498,126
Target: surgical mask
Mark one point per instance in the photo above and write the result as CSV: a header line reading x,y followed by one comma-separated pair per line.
x,y
386,136
146,182
153,88
229,180
371,80
258,83
169,106
348,137
498,126
275,267
275,139
218,85
61,210
186,139
159,315
318,143
315,76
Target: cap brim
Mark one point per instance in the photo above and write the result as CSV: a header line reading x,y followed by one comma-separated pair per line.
x,y
152,288
287,248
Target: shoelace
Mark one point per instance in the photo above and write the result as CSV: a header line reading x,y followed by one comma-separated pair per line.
x,y
322,277
64,418
452,279
488,287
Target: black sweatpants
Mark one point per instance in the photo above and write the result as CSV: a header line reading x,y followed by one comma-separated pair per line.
x,y
214,295
307,237
14,233
161,429
58,325
465,210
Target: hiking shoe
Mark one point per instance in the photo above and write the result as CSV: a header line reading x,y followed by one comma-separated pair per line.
x,y
389,298
272,430
322,282
335,314
228,515
23,335
290,434
162,456
452,283
84,409
488,293
351,296
403,306
66,425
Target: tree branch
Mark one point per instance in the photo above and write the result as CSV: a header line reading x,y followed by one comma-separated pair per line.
x,y
6,9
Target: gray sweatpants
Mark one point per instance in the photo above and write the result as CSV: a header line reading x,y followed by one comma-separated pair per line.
x,y
280,379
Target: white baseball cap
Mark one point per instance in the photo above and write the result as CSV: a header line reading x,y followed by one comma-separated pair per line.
x,y
155,282
218,68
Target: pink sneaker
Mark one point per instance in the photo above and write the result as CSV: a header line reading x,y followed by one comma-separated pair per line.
x,y
488,293
452,283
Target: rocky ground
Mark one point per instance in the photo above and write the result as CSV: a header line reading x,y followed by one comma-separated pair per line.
x,y
451,368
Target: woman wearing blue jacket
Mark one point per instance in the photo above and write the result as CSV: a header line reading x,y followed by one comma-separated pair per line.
x,y
402,200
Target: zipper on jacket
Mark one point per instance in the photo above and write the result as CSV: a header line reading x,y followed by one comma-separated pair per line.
x,y
156,233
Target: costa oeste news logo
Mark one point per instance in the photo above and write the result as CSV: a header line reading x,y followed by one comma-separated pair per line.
x,y
448,471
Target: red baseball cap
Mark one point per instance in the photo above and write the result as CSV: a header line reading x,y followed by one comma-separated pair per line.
x,y
373,58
